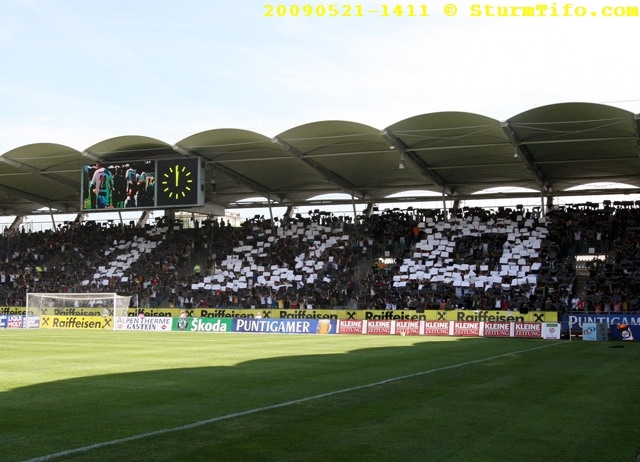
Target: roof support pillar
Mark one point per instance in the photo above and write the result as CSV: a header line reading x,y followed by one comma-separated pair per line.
x,y
273,227
355,214
454,208
549,205
288,212
170,214
143,219
368,210
16,223
444,205
53,220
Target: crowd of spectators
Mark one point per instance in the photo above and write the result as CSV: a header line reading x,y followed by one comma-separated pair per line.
x,y
480,259
613,284
511,259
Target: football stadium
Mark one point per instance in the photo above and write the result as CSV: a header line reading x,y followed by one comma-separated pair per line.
x,y
410,270
185,337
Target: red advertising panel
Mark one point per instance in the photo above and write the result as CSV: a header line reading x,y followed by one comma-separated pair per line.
x,y
497,329
349,326
436,328
408,327
527,329
379,327
466,329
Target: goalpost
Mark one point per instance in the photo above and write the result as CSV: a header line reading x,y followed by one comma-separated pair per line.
x,y
75,304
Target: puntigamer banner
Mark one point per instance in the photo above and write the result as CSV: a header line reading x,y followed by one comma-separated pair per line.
x,y
285,326
621,326
613,319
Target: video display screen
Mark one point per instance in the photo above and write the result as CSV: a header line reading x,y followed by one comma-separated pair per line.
x,y
118,185
143,184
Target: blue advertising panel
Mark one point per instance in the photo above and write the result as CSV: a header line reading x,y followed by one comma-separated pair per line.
x,y
3,322
621,326
625,332
285,326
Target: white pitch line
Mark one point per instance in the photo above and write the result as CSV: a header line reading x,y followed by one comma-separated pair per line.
x,y
274,406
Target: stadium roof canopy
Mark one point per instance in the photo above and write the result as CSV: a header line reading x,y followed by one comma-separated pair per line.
x,y
455,154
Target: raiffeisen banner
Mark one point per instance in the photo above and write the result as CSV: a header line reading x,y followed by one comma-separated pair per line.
x,y
76,322
285,326
352,315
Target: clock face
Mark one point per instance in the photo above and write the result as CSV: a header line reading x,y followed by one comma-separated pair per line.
x,y
177,182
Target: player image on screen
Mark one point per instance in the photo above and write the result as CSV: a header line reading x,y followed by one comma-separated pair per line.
x,y
101,187
118,185
146,189
119,188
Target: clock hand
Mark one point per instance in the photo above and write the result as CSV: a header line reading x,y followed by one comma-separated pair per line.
x,y
177,175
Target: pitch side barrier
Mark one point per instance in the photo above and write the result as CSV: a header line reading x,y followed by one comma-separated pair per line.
x,y
458,328
408,315
274,313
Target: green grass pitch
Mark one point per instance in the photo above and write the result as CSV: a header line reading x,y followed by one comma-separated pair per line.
x,y
123,396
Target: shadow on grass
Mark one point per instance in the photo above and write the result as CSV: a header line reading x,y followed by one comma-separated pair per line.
x,y
280,408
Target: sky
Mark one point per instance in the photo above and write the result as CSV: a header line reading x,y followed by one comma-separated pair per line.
x,y
77,72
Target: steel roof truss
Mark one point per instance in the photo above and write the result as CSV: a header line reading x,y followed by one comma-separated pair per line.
x,y
329,175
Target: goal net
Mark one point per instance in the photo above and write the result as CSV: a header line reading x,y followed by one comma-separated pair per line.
x,y
77,304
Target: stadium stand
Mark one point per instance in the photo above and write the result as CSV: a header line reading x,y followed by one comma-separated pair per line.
x,y
415,259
